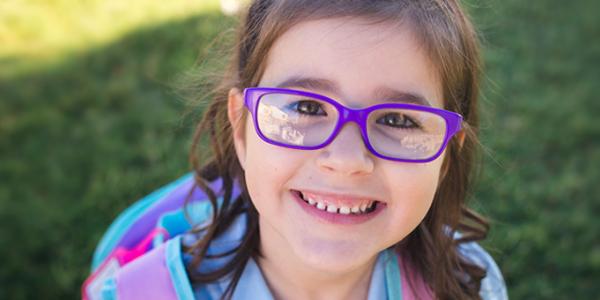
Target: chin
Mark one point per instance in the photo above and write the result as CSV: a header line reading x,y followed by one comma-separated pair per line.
x,y
334,256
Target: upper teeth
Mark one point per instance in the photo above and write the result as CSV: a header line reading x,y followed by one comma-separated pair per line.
x,y
332,208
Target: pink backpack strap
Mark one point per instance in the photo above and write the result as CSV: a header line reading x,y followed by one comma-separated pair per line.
x,y
413,286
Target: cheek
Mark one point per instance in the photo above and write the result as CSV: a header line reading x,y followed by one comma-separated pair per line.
x,y
417,177
268,169
412,189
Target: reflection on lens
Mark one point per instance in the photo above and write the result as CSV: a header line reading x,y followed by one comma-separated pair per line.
x,y
281,119
426,144
420,135
274,124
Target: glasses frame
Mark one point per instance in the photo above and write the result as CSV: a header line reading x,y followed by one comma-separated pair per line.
x,y
253,95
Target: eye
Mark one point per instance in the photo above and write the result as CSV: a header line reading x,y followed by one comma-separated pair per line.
x,y
308,107
398,120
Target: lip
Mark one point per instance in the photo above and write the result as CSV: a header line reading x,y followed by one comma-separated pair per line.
x,y
334,218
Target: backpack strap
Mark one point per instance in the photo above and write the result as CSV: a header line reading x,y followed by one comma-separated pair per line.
x,y
401,281
411,285
119,275
159,274
137,221
145,225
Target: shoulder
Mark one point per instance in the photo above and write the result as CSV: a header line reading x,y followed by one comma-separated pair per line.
x,y
492,286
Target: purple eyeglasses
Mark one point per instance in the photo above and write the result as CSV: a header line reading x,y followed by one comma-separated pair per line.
x,y
395,131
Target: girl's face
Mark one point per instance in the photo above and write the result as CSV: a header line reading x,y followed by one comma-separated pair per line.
x,y
353,62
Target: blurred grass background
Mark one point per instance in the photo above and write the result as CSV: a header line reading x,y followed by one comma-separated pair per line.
x,y
89,123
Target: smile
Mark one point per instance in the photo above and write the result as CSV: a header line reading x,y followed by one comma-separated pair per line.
x,y
362,207
338,209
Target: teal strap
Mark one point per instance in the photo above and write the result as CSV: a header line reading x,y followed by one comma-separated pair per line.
x,y
393,281
179,277
109,290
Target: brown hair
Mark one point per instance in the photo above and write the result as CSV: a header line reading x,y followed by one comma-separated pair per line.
x,y
451,44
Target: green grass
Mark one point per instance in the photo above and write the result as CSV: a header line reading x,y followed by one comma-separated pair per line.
x,y
89,123
83,137
542,128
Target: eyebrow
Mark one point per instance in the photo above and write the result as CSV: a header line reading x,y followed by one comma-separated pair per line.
x,y
381,93
309,83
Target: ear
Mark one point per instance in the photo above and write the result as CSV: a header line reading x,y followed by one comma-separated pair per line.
x,y
461,138
235,112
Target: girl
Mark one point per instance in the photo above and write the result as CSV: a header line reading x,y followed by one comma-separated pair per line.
x,y
343,140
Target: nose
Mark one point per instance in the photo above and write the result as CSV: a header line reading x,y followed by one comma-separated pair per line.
x,y
347,153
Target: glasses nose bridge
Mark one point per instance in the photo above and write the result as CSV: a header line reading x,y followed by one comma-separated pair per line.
x,y
357,116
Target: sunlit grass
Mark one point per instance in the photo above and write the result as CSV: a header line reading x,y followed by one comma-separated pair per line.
x,y
41,32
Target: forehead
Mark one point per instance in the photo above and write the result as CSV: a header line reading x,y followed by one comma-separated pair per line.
x,y
360,63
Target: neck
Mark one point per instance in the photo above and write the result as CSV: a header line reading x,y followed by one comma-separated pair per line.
x,y
289,278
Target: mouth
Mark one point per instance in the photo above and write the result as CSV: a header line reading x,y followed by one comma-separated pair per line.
x,y
336,205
